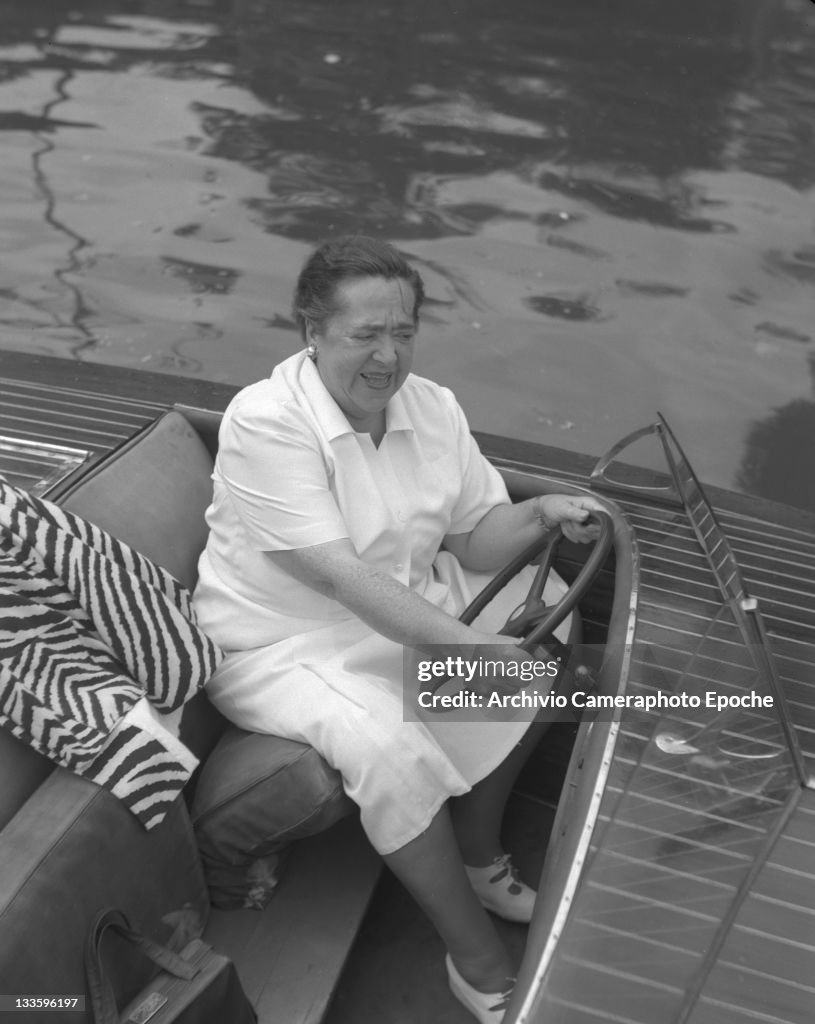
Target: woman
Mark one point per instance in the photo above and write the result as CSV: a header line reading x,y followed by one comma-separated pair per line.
x,y
353,516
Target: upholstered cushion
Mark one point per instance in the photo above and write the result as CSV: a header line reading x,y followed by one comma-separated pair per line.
x,y
72,850
152,493
255,795
22,769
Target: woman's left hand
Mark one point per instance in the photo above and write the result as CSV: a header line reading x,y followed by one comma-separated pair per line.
x,y
570,512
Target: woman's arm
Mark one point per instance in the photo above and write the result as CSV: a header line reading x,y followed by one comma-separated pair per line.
x,y
383,603
507,529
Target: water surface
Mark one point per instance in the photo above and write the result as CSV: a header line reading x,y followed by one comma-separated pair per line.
x,y
611,202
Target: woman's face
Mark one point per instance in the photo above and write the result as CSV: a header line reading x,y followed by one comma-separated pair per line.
x,y
365,349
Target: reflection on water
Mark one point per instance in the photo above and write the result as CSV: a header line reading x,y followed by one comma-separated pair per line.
x,y
611,202
772,465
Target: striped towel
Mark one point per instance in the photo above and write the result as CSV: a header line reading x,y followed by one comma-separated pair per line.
x,y
88,629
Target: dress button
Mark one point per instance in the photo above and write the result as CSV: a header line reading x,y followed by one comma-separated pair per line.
x,y
401,517
399,567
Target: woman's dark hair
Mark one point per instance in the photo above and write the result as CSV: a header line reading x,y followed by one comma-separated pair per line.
x,y
343,259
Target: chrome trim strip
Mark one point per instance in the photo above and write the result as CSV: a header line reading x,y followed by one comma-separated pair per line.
x,y
25,444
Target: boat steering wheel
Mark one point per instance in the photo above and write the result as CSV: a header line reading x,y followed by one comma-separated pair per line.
x,y
533,619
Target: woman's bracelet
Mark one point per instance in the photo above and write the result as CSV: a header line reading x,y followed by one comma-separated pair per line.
x,y
537,508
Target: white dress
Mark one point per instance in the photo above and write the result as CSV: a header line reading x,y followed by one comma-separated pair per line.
x,y
291,473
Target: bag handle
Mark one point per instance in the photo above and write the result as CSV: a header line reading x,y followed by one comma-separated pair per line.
x,y
103,1001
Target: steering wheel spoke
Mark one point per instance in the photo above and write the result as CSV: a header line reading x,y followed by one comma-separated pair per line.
x,y
533,619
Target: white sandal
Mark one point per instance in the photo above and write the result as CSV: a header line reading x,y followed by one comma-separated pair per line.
x,y
486,1007
500,889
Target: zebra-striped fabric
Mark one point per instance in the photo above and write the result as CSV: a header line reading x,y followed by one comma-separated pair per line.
x,y
87,628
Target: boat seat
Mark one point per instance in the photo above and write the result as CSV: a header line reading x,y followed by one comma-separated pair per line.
x,y
152,493
254,793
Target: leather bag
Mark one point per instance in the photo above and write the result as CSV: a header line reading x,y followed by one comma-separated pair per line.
x,y
194,986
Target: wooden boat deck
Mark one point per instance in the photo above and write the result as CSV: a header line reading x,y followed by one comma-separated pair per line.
x,y
695,903
62,402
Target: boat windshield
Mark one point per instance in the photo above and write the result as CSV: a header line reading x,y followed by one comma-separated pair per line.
x,y
703,804
733,655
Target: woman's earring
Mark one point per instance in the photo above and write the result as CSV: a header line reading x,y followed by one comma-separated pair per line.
x,y
311,352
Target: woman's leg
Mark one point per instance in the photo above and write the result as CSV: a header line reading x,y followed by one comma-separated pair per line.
x,y
477,816
431,869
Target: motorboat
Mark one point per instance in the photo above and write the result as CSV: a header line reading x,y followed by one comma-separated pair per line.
x,y
677,863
